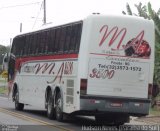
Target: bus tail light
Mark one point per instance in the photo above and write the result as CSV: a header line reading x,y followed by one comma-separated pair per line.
x,y
83,87
150,91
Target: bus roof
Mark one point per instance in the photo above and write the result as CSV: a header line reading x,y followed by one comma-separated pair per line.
x,y
48,27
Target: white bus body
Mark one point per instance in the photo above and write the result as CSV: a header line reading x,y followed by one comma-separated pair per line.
x,y
111,74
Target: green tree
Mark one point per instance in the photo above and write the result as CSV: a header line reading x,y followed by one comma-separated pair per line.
x,y
147,12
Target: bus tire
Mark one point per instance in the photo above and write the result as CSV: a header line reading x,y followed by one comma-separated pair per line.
x,y
18,106
118,124
50,107
58,107
99,119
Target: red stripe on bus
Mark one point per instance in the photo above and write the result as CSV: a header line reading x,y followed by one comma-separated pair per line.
x,y
46,57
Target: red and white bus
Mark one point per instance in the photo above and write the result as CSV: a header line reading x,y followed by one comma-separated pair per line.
x,y
101,66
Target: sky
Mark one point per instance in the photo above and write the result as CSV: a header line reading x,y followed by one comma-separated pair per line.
x,y
30,13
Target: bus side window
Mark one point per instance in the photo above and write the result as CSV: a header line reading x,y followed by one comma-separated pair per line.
x,y
26,46
36,44
68,39
33,51
13,50
30,45
19,45
73,39
56,45
62,40
16,51
78,37
29,49
23,42
41,44
51,43
47,42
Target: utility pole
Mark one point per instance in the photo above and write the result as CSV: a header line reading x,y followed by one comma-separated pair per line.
x,y
44,18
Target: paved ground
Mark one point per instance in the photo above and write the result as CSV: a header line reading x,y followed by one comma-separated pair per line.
x,y
149,119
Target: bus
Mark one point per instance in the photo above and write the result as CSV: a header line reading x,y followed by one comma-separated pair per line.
x,y
100,66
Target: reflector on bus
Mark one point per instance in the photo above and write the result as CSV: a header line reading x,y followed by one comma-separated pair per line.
x,y
83,87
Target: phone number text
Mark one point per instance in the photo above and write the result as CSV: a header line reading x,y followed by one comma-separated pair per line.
x,y
117,67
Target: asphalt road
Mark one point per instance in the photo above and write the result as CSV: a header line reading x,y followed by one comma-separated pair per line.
x,y
35,120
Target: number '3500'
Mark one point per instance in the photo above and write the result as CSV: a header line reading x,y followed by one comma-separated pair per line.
x,y
102,73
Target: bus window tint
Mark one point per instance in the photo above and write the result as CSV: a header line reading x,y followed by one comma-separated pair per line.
x,y
47,42
78,38
73,39
68,38
13,50
18,44
30,39
26,46
30,45
43,42
62,40
51,41
57,39
37,44
23,45
33,51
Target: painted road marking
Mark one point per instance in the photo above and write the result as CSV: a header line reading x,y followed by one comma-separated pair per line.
x,y
24,117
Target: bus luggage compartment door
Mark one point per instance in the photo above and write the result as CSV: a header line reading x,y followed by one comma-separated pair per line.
x,y
118,77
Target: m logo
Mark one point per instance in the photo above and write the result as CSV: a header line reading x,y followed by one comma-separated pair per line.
x,y
114,33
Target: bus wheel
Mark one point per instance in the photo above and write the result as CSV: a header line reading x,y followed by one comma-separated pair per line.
x,y
118,124
18,106
99,119
59,104
50,107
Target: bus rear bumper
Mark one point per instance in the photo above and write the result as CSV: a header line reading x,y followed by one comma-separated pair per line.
x,y
130,106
